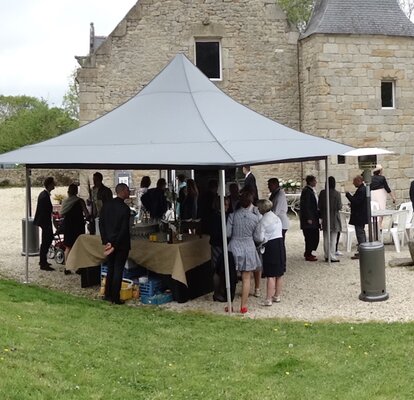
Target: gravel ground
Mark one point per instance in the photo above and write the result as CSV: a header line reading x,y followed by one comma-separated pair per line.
x,y
312,291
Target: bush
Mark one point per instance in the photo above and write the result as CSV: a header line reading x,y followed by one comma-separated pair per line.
x,y
5,183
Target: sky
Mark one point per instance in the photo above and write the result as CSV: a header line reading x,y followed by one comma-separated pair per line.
x,y
39,40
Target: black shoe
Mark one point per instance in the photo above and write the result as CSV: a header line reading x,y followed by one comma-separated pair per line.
x,y
67,272
46,263
46,268
334,260
119,302
355,257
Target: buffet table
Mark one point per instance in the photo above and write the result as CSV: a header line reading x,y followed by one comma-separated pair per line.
x,y
168,259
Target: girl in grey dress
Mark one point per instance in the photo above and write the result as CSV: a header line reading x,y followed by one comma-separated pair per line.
x,y
240,228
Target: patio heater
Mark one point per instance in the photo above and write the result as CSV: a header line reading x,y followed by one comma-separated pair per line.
x,y
371,253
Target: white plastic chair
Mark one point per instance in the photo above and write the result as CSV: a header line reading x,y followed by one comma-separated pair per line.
x,y
410,218
397,229
347,231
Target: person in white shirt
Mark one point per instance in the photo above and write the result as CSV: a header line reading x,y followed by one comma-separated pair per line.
x,y
269,234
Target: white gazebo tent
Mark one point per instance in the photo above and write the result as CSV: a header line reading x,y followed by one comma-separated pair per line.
x,y
179,120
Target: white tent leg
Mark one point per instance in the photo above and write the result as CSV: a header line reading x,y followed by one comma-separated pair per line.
x,y
28,214
222,186
328,211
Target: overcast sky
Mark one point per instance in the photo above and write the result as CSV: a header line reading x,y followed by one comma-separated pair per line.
x,y
40,38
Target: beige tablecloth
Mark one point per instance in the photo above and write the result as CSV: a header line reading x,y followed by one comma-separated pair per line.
x,y
163,258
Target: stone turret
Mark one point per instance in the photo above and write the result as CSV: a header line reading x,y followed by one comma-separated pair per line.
x,y
349,52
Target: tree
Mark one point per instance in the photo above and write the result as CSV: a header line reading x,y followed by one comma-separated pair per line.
x,y
408,7
71,98
298,12
26,120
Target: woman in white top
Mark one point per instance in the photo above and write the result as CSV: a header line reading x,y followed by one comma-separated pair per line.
x,y
269,233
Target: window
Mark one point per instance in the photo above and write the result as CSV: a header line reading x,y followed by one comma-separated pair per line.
x,y
208,58
388,94
341,160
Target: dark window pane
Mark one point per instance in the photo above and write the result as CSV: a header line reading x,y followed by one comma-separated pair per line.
x,y
208,58
386,94
341,159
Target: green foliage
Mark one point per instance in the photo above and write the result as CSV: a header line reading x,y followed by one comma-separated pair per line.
x,y
25,120
71,98
56,346
298,11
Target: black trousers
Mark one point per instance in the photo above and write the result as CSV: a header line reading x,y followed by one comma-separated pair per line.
x,y
116,263
47,238
311,240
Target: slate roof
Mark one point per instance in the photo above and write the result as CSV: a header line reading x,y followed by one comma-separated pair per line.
x,y
360,17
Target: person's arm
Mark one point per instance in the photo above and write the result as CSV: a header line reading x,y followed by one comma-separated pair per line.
x,y
84,208
388,190
124,215
259,233
229,225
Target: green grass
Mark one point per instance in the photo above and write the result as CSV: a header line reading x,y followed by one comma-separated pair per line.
x,y
56,346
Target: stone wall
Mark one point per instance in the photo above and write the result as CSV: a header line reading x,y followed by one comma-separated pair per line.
x,y
259,56
17,176
341,90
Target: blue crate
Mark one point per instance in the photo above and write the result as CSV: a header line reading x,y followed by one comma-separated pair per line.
x,y
104,270
152,287
160,298
131,273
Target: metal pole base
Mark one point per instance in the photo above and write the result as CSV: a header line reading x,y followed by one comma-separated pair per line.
x,y
380,297
23,253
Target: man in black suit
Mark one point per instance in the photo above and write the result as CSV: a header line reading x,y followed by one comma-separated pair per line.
x,y
154,200
412,193
359,212
43,218
250,183
114,229
309,218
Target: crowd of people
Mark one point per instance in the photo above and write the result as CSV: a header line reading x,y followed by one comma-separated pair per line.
x,y
255,228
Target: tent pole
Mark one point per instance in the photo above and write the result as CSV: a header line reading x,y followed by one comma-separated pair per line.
x,y
26,233
328,211
222,185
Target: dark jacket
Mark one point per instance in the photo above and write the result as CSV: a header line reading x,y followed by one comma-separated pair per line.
x,y
250,186
412,193
335,204
44,208
308,209
359,212
155,202
379,182
114,224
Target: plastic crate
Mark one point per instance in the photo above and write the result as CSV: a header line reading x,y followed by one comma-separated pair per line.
x,y
150,288
160,298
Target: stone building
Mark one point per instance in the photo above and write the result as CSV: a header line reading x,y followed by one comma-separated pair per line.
x,y
348,77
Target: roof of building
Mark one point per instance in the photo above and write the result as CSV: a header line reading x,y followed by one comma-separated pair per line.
x,y
360,17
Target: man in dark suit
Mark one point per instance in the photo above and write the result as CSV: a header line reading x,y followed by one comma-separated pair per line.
x,y
309,218
250,183
154,200
359,212
114,229
43,218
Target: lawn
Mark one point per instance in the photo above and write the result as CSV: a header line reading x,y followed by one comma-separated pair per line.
x,y
57,346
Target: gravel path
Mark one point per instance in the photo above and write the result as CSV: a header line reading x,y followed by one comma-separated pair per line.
x,y
312,291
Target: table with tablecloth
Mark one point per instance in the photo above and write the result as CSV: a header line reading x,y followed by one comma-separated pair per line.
x,y
163,258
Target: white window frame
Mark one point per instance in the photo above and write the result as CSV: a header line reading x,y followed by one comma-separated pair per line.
x,y
392,81
210,39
